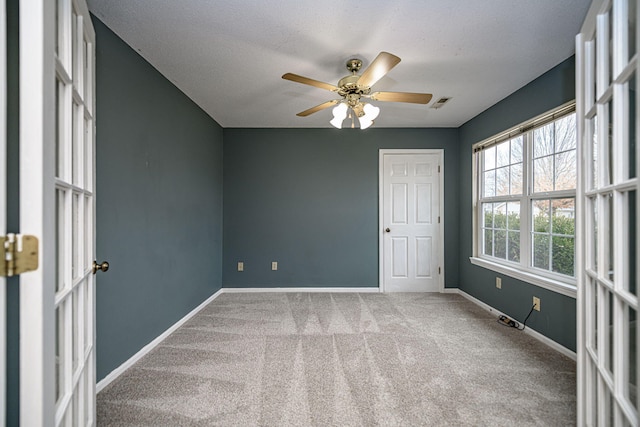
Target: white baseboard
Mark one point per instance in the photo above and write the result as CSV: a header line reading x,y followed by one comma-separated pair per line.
x,y
147,348
306,289
535,334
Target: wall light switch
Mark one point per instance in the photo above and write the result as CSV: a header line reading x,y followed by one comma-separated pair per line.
x,y
274,265
240,266
498,282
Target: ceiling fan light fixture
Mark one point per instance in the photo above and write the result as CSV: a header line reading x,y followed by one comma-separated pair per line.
x,y
370,114
339,114
371,111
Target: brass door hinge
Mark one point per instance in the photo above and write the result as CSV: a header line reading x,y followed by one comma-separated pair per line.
x,y
19,254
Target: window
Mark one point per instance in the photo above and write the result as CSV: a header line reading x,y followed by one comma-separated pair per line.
x,y
525,186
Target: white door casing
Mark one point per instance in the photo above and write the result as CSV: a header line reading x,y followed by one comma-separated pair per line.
x,y
57,306
411,223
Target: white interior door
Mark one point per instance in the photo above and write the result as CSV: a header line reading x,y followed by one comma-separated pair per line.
x,y
411,220
57,358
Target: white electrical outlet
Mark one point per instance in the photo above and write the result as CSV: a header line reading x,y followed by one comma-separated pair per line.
x,y
240,266
274,265
536,303
498,282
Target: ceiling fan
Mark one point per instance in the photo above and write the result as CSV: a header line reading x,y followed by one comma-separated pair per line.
x,y
354,87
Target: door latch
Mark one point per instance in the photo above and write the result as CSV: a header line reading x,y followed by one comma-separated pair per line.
x,y
19,254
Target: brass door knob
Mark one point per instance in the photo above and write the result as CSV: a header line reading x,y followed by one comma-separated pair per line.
x,y
102,267
388,230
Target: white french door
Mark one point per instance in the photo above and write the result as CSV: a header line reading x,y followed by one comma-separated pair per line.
x,y
607,116
411,225
57,301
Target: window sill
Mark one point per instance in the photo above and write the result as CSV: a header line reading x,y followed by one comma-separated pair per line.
x,y
543,282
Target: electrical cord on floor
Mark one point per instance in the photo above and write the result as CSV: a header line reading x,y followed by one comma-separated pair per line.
x,y
504,320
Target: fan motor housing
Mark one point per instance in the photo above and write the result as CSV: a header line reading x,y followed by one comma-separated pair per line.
x,y
349,85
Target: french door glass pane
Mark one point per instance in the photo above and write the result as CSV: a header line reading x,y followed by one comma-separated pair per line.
x,y
59,351
609,147
58,128
88,154
608,237
74,44
593,310
610,49
632,242
631,116
88,224
76,406
594,153
85,68
631,357
87,325
60,233
632,27
75,268
608,332
76,149
75,344
594,231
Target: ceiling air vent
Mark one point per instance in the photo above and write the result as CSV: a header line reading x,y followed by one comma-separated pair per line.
x,y
440,102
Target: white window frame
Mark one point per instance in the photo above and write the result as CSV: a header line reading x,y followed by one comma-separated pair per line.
x,y
522,270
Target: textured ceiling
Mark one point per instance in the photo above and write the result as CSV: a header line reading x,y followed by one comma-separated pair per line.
x,y
229,55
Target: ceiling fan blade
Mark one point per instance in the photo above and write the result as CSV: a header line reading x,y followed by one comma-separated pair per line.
x,y
317,108
380,66
414,98
307,81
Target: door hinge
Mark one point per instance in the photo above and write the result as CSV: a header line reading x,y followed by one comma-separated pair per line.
x,y
438,220
439,270
438,168
19,254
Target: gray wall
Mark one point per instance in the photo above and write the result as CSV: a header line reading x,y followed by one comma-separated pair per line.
x,y
308,198
159,202
557,319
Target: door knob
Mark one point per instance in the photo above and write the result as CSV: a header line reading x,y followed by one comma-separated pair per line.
x,y
102,267
387,230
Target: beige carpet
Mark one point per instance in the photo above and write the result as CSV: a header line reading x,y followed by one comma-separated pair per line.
x,y
319,359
